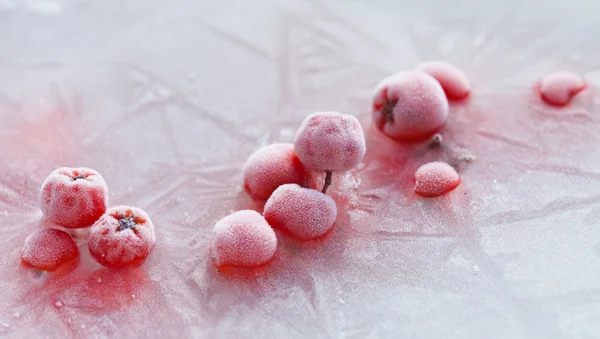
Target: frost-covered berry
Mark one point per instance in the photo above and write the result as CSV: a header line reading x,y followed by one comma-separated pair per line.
x,y
49,249
559,88
435,178
122,237
270,167
303,212
409,106
74,197
454,82
330,141
243,238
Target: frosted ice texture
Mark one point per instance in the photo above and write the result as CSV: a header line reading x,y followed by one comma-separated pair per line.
x,y
168,101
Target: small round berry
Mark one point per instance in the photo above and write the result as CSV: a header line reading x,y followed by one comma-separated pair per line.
x,y
435,178
243,238
74,197
409,106
303,212
559,88
270,167
330,141
49,249
454,82
122,237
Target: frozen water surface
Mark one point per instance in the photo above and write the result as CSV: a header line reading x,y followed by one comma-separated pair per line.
x,y
167,99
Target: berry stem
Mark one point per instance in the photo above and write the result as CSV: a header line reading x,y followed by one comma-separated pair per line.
x,y
328,175
436,141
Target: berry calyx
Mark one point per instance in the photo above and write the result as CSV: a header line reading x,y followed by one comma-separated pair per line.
x,y
126,223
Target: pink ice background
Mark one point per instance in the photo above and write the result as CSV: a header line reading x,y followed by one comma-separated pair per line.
x,y
168,99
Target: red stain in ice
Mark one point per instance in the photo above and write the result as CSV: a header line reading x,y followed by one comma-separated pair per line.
x,y
123,237
304,213
435,178
454,82
270,167
49,249
330,141
559,88
243,238
111,289
48,134
409,106
74,197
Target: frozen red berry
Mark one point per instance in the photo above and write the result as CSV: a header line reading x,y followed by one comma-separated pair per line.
x,y
243,238
454,82
303,212
435,178
49,249
74,197
330,141
559,88
270,167
409,106
122,237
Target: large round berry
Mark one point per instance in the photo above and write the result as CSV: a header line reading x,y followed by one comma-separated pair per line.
x,y
453,81
74,197
435,178
243,238
303,212
559,88
330,141
270,167
409,106
49,249
122,237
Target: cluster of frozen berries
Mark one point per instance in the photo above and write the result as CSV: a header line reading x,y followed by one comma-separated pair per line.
x,y
326,142
74,198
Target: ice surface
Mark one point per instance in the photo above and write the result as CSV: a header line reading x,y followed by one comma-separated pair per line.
x,y
167,100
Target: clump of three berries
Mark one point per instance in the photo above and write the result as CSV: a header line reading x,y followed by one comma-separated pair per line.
x,y
78,198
